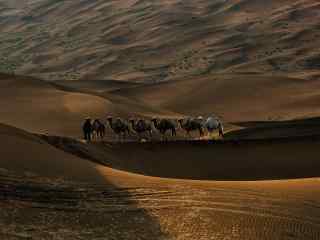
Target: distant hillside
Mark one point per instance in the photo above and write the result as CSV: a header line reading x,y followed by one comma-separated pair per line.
x,y
148,40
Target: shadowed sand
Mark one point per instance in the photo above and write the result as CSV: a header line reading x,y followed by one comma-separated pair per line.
x,y
271,158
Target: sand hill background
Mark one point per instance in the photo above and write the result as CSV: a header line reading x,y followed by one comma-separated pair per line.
x,y
151,41
58,108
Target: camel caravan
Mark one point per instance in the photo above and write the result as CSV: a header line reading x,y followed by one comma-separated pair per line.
x,y
122,128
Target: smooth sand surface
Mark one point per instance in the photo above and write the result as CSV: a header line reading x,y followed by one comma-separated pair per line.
x,y
42,107
234,97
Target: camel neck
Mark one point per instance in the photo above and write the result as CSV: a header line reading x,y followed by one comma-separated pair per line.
x,y
110,123
156,124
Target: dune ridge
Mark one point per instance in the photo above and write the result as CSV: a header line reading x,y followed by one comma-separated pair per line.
x,y
43,107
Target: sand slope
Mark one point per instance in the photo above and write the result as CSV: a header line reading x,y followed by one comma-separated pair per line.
x,y
135,206
239,97
276,129
43,107
24,153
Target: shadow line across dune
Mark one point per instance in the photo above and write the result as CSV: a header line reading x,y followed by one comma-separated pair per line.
x,y
264,159
47,193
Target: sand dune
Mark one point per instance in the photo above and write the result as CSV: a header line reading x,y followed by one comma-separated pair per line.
x,y
153,41
233,97
59,109
34,183
253,63
24,153
95,86
272,158
41,107
28,155
276,129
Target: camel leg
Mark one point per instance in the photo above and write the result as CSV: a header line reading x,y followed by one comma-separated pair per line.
x,y
123,136
221,134
163,138
189,135
139,136
200,133
174,133
89,136
209,134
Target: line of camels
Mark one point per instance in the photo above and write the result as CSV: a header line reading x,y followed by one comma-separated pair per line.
x,y
123,128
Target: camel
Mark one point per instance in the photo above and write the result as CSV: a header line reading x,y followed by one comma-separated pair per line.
x,y
119,127
190,125
141,126
87,129
213,123
164,125
98,129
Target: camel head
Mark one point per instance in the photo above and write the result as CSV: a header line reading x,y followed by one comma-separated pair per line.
x,y
200,118
155,122
132,122
180,120
88,120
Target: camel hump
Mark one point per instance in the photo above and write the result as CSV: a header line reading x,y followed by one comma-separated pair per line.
x,y
189,122
212,123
